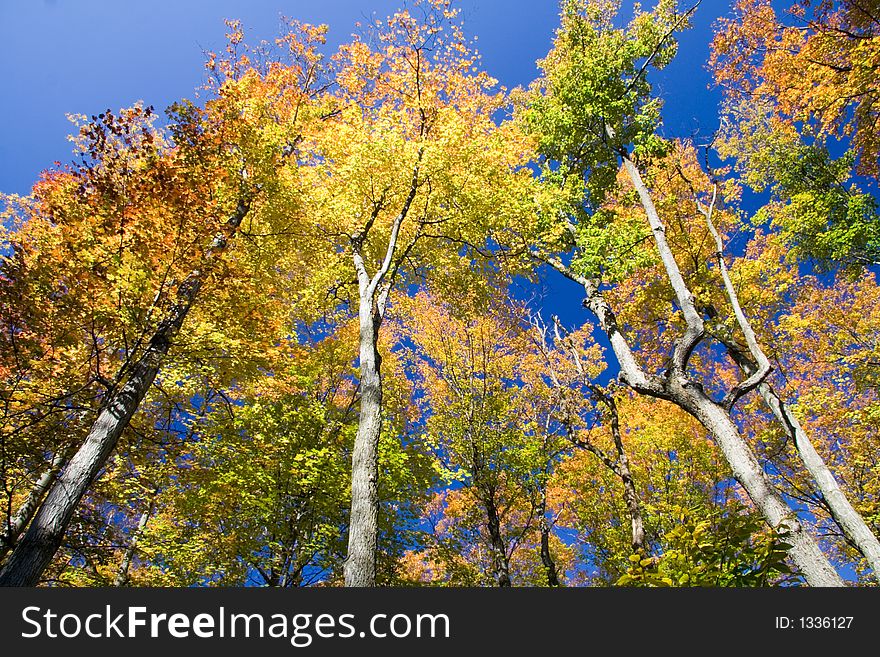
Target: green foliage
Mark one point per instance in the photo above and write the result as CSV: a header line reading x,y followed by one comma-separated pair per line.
x,y
594,80
593,103
821,212
713,547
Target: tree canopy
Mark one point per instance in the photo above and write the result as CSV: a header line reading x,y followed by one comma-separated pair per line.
x,y
292,333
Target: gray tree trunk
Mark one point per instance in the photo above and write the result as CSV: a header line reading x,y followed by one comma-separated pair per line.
x,y
748,472
38,546
360,565
847,518
688,395
677,388
745,467
22,517
373,291
630,495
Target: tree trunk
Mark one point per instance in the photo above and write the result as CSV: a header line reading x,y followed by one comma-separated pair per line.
x,y
804,551
26,511
748,472
124,566
679,389
546,556
360,565
848,519
500,562
36,549
630,495
363,532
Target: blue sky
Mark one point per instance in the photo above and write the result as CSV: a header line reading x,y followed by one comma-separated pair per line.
x,y
84,56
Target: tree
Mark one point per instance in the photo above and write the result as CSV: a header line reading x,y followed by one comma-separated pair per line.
x,y
409,170
488,419
593,111
131,176
799,85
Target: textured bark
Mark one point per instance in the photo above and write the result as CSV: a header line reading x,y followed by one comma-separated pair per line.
x,y
630,495
688,395
22,517
853,525
546,556
38,546
360,565
500,562
373,291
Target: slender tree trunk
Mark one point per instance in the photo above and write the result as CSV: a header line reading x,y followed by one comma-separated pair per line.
x,y
363,534
360,565
38,546
757,368
26,511
546,556
848,519
689,396
500,562
124,566
620,465
630,495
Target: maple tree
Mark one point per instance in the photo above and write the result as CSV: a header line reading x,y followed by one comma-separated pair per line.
x,y
409,168
588,136
157,215
488,421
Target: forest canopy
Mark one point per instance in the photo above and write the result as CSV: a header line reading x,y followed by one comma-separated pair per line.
x,y
290,332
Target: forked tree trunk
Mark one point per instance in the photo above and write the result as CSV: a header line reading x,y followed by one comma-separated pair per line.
x,y
373,291
745,467
38,546
688,395
678,388
748,472
847,518
757,368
